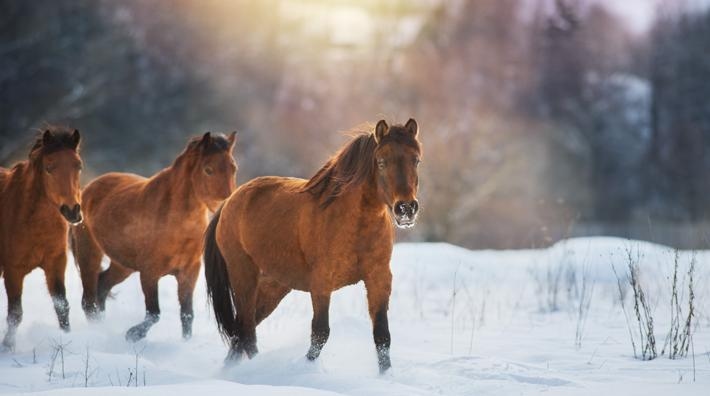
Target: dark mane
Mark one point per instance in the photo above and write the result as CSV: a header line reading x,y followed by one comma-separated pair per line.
x,y
218,143
61,139
352,165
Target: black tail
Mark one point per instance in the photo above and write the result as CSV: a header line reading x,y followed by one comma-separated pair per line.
x,y
219,290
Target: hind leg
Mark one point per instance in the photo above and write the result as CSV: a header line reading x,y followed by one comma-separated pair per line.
x,y
115,274
87,254
186,279
244,278
13,288
54,274
149,283
269,295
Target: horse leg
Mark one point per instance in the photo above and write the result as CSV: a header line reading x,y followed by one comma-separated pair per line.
x,y
244,279
114,274
320,328
13,288
268,297
54,275
378,288
186,280
149,283
87,254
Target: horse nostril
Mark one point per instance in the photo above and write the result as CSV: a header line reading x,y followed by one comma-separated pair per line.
x,y
400,208
414,206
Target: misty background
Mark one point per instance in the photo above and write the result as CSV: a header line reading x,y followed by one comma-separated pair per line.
x,y
540,119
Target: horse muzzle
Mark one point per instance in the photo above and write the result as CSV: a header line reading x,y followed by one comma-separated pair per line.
x,y
405,213
72,215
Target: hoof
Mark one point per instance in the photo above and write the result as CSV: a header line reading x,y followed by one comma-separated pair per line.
x,y
385,364
186,320
136,333
312,355
251,351
233,357
93,314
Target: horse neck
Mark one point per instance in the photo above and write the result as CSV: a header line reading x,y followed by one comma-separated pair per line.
x,y
174,183
24,182
365,196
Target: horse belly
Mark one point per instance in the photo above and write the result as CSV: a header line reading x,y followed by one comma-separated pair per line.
x,y
346,277
284,267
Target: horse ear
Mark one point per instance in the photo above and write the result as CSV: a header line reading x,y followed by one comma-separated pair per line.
x,y
76,138
206,138
232,139
47,137
412,127
381,130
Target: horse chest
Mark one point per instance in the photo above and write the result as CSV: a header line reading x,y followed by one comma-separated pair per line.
x,y
30,241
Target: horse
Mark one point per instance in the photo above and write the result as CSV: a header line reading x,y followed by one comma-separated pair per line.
x,y
276,234
153,226
38,197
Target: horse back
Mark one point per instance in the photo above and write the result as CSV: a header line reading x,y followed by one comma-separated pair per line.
x,y
110,185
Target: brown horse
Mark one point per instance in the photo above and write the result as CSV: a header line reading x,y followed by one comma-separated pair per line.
x,y
275,234
37,198
153,226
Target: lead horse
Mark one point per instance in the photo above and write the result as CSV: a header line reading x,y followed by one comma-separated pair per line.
x,y
275,234
153,226
37,199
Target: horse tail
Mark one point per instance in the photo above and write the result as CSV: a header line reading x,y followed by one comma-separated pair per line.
x,y
219,290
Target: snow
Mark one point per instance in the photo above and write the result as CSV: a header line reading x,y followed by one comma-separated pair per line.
x,y
500,335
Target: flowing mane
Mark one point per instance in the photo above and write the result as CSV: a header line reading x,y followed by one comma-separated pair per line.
x,y
353,164
349,167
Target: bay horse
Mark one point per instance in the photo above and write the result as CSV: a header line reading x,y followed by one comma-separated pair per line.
x,y
153,226
38,197
275,234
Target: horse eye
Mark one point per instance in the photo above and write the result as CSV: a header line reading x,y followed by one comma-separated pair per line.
x,y
209,171
417,161
49,168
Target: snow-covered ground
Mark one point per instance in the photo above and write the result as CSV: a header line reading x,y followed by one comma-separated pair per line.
x,y
462,323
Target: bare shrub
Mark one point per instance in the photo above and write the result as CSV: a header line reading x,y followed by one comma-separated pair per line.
x,y
679,338
641,309
57,357
548,283
586,292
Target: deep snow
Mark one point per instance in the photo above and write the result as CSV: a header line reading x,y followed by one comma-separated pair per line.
x,y
505,335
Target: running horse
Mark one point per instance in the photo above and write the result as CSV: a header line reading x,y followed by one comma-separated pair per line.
x,y
275,234
153,226
37,198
